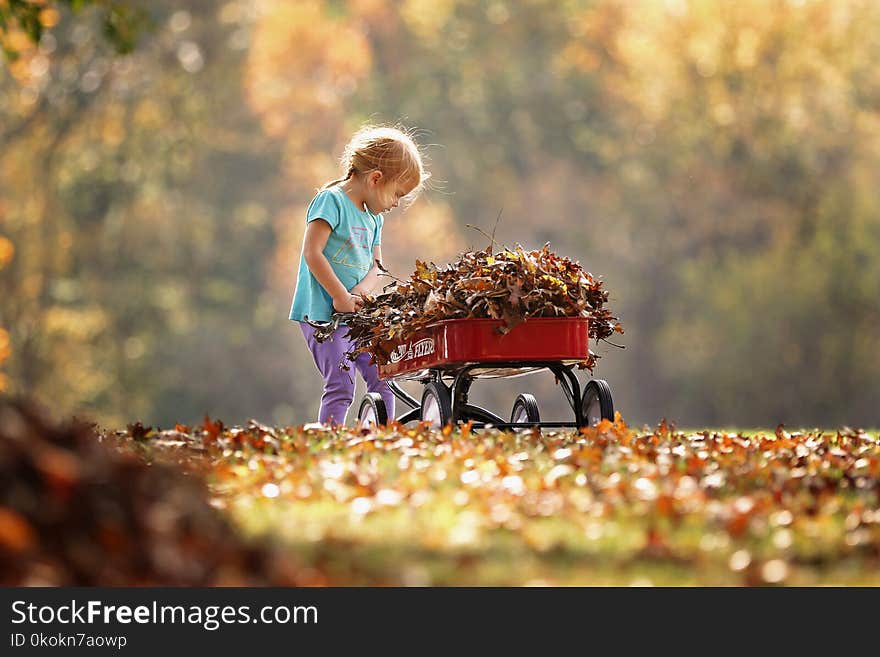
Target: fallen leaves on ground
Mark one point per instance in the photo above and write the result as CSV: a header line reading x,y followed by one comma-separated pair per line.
x,y
74,512
716,507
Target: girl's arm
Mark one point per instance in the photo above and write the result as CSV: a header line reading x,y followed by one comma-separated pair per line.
x,y
317,233
368,282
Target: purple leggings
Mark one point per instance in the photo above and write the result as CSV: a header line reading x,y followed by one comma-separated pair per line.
x,y
338,383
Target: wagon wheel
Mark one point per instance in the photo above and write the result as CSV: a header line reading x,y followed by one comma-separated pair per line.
x,y
373,411
525,409
436,405
597,403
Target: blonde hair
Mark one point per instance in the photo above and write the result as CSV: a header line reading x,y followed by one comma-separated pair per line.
x,y
392,151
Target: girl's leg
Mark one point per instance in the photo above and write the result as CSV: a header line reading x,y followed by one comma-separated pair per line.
x,y
338,383
374,383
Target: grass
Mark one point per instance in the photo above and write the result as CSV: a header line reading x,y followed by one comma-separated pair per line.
x,y
607,506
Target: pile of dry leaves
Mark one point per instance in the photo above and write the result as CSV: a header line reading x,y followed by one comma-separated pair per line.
x,y
76,512
512,285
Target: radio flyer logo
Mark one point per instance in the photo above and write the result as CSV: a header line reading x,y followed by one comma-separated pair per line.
x,y
410,350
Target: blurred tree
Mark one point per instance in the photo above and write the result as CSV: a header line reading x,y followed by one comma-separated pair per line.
x,y
23,22
754,144
7,251
139,194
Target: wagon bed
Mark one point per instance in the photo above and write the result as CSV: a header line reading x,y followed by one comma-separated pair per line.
x,y
452,343
462,350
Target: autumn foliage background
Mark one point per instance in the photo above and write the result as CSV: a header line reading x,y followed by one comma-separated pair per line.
x,y
716,163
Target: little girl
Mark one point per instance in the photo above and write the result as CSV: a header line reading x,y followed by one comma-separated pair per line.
x,y
340,248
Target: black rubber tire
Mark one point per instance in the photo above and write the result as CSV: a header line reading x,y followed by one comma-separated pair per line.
x,y
438,393
597,402
373,403
529,404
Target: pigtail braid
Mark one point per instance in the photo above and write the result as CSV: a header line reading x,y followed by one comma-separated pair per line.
x,y
351,171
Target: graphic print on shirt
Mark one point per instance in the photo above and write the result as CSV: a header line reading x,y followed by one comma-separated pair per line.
x,y
358,239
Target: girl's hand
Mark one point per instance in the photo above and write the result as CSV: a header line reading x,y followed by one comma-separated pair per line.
x,y
347,304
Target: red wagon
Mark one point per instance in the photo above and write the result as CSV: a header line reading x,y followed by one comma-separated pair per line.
x,y
449,355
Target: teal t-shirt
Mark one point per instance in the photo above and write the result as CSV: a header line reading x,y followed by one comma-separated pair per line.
x,y
349,250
